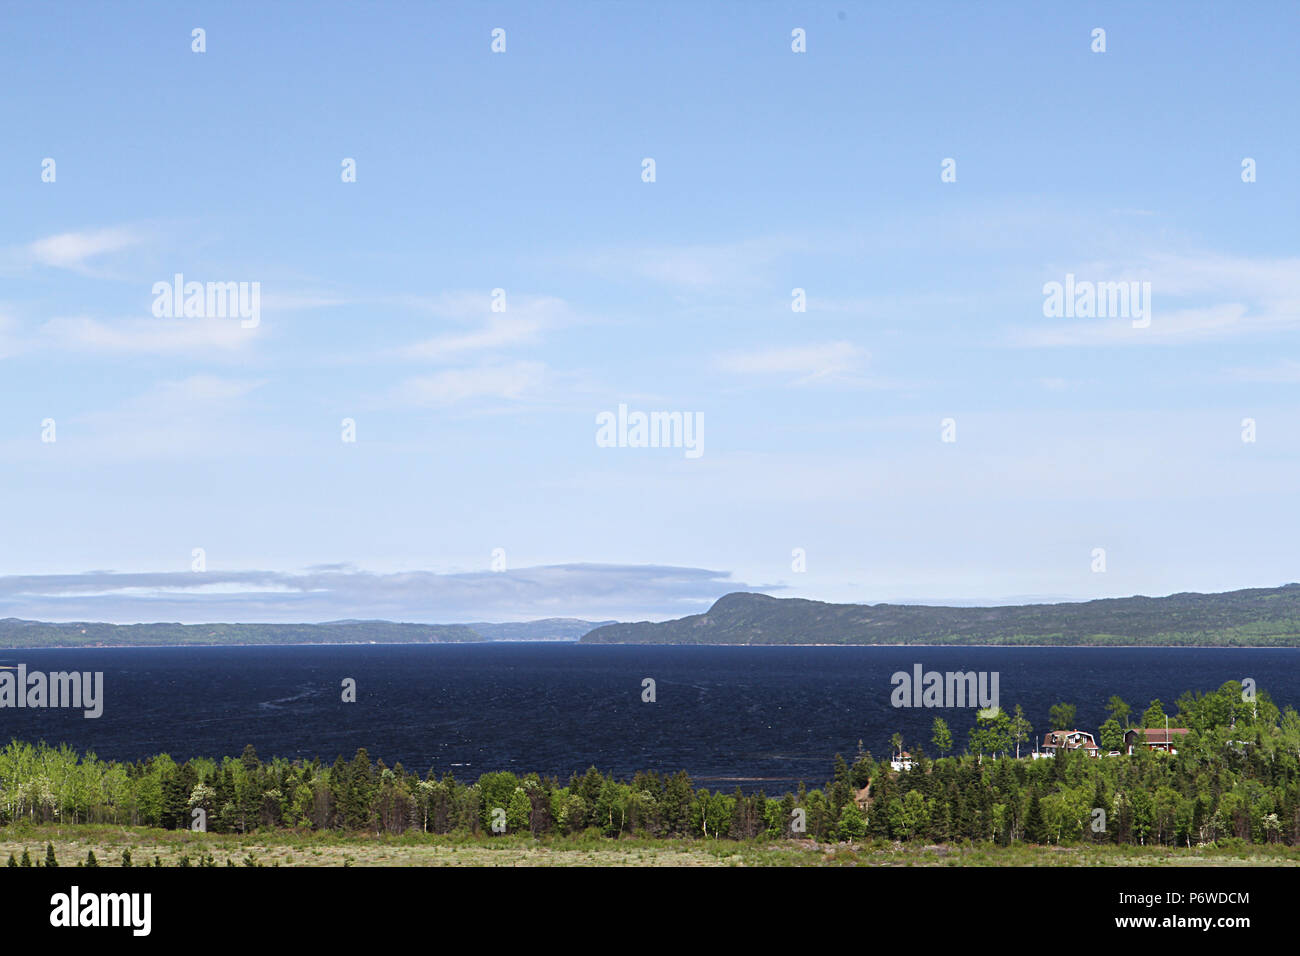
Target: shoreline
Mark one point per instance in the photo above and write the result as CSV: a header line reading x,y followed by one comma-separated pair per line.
x,y
534,642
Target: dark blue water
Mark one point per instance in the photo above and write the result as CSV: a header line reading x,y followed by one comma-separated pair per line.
x,y
748,716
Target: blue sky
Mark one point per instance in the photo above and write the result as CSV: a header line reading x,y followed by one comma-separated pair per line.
x,y
522,171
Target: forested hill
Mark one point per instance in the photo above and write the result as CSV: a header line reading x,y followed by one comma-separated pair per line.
x,y
1257,617
15,633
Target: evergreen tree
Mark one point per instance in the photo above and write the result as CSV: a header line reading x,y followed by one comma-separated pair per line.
x,y
361,788
860,772
175,814
1061,764
840,773
1035,831
49,855
1100,802
339,790
1154,717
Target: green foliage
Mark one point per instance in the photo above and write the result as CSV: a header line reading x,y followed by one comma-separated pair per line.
x,y
1061,717
941,737
1020,729
992,735
853,824
1112,736
1257,617
1236,776
1154,717
1035,830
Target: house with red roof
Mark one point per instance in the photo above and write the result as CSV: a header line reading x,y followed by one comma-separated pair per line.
x,y
1155,738
1056,740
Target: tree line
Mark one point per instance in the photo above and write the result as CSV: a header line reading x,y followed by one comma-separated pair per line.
x,y
1236,775
1002,733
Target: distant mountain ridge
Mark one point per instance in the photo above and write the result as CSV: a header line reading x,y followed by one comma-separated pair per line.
x,y
16,633
1256,617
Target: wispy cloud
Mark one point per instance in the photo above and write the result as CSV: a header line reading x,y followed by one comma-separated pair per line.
x,y
473,306
698,265
522,323
822,363
514,381
74,250
152,336
1194,298
295,301
201,388
497,333
333,592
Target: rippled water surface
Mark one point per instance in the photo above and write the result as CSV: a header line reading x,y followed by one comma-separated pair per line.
x,y
747,716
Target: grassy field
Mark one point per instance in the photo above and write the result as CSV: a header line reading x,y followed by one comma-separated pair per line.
x,y
287,848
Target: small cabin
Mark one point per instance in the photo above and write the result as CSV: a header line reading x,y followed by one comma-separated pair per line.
x,y
902,761
1157,738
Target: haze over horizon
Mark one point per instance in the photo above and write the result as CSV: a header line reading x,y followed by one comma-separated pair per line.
x,y
308,599
824,471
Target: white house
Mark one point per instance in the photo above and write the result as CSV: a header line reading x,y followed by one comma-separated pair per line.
x,y
903,761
